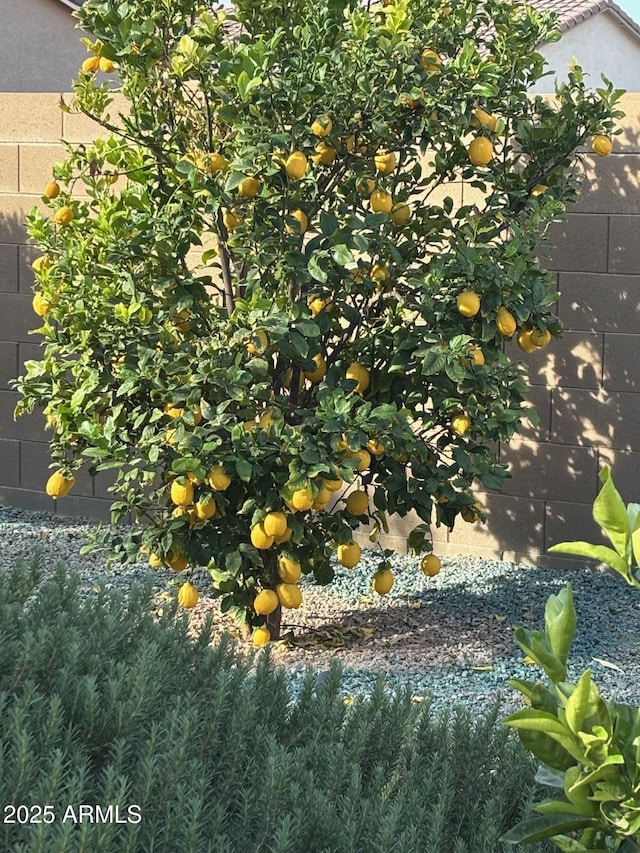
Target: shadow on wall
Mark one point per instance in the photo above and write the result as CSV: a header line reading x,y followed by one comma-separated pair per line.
x,y
586,386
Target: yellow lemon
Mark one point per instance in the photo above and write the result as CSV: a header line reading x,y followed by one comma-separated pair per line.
x,y
320,372
295,165
325,154
63,215
385,162
301,218
468,303
105,65
540,338
155,561
231,220
265,602
219,479
248,187
173,411
538,190
261,636
364,459
383,581
40,304
477,356
357,503
321,499
431,565
216,163
301,500
274,524
470,513
322,126
52,190
258,343
480,151
349,554
505,322
58,485
381,202
290,595
260,539
41,263
524,340
601,145
316,305
188,595
182,493
484,119
400,214
289,570
91,64
286,536
176,560
205,508
360,374
430,61
332,485
460,424
376,447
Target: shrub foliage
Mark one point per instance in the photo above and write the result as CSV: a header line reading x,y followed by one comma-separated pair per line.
x,y
344,318
106,703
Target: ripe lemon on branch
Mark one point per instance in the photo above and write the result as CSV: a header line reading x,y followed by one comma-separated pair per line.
x,y
480,151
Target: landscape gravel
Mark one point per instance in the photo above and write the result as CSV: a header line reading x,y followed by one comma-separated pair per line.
x,y
450,636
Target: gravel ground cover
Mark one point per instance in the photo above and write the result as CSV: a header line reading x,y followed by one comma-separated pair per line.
x,y
450,636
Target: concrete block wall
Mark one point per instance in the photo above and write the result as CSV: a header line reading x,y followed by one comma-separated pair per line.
x,y
586,387
30,133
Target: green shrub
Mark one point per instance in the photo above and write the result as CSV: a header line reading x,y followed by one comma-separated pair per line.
x,y
105,701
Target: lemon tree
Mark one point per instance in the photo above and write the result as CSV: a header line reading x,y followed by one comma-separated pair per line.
x,y
263,309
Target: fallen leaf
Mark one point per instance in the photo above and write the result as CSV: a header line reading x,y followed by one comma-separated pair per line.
x,y
499,618
608,664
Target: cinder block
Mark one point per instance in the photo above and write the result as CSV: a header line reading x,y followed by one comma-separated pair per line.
x,y
13,213
26,278
579,243
8,269
598,419
35,470
621,363
92,509
629,140
452,190
599,303
540,398
9,164
624,248
26,428
30,117
77,127
34,501
569,522
574,361
611,184
472,195
546,471
36,166
17,317
8,363
9,463
28,352
101,483
625,471
513,523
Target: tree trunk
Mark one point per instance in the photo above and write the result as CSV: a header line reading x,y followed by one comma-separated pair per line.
x,y
274,621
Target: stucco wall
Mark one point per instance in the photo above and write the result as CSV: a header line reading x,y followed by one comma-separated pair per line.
x,y
40,49
586,387
601,44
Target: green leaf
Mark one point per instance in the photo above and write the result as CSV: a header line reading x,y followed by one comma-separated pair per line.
x,y
579,704
560,622
545,826
610,513
602,553
244,470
